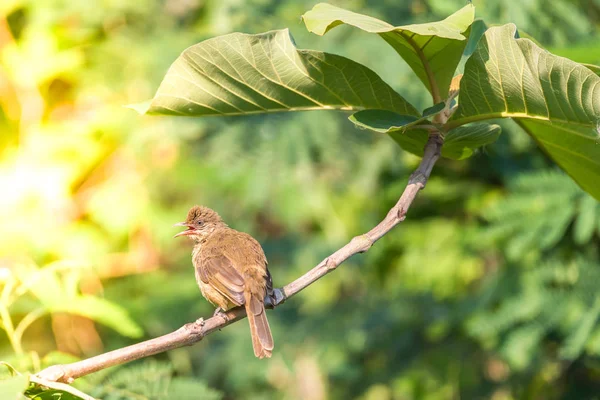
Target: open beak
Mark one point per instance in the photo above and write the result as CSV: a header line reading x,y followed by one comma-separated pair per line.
x,y
190,229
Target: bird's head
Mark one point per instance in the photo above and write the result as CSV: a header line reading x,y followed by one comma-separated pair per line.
x,y
200,222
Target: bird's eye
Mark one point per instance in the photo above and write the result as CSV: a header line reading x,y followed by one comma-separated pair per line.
x,y
199,223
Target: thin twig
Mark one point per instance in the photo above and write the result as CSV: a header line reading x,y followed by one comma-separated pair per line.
x,y
194,332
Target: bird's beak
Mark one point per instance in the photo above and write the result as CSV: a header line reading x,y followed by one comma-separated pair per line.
x,y
190,229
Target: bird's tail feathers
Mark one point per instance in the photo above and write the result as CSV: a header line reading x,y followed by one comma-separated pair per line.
x,y
262,340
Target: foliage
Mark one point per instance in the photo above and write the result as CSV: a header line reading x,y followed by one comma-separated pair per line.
x,y
36,292
150,380
439,308
515,78
430,49
555,100
241,74
12,388
518,220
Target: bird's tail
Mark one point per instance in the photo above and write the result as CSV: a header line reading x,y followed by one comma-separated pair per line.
x,y
262,340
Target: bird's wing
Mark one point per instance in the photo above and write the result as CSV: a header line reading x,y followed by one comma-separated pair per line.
x,y
219,272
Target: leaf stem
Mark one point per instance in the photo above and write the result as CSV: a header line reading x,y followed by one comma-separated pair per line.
x,y
8,326
29,319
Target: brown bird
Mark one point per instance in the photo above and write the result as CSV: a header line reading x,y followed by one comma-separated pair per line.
x,y
231,270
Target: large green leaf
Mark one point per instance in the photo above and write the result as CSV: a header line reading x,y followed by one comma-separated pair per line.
x,y
240,74
556,100
432,50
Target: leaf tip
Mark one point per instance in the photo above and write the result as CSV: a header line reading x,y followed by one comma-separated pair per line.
x,y
141,108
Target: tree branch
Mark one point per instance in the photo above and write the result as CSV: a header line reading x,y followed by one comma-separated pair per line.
x,y
194,332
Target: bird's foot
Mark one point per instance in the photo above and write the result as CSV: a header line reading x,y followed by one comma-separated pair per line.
x,y
219,312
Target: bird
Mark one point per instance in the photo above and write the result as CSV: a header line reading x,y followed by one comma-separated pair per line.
x,y
231,271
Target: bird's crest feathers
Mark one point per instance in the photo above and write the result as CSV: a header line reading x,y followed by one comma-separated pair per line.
x,y
204,214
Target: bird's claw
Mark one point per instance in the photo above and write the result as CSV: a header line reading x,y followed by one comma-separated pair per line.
x,y
219,312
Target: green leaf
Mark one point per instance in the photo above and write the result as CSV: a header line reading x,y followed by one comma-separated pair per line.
x,y
459,143
102,311
13,371
59,293
594,68
520,345
475,33
551,235
432,50
462,143
52,394
574,148
241,74
13,388
585,225
433,110
576,341
384,121
557,101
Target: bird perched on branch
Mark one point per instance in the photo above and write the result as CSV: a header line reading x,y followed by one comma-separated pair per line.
x,y
231,270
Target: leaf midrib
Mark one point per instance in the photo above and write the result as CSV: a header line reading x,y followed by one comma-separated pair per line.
x,y
504,114
270,111
435,91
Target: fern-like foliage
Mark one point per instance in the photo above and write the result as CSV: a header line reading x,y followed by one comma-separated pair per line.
x,y
556,301
538,211
151,380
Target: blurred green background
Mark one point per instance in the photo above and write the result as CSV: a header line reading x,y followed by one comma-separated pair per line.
x,y
489,289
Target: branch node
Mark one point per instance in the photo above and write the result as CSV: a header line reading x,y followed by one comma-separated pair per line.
x,y
54,373
401,214
195,328
438,139
330,264
419,178
362,243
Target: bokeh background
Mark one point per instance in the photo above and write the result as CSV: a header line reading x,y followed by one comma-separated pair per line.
x,y
489,289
